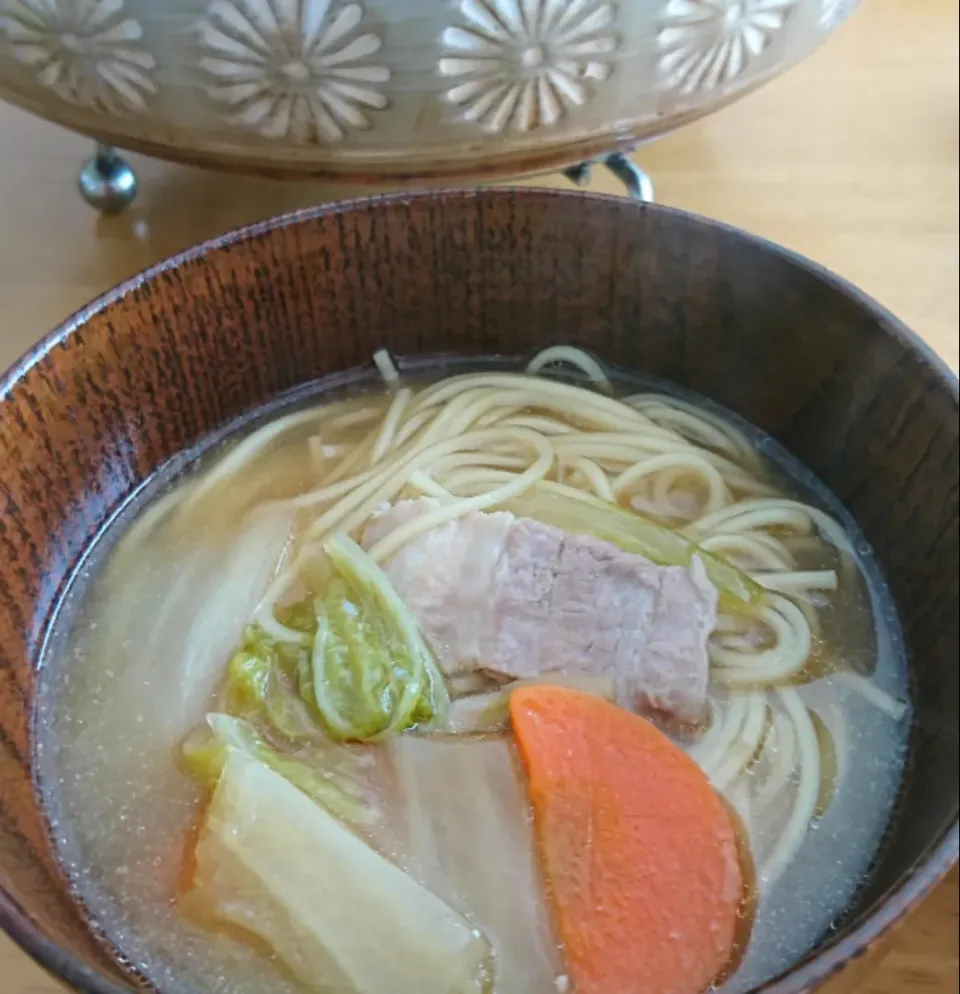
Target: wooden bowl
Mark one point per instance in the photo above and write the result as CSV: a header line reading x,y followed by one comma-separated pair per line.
x,y
164,359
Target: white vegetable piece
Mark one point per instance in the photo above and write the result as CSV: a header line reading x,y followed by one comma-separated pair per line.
x,y
340,916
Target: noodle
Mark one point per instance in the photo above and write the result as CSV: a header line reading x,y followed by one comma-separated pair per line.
x,y
743,750
822,579
717,493
404,534
699,425
386,366
793,643
807,792
869,691
388,430
756,551
782,745
565,354
247,450
595,477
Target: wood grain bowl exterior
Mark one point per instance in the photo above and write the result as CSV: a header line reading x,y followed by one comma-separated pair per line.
x,y
394,91
180,350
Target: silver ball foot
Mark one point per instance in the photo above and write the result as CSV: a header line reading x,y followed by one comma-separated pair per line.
x,y
107,182
638,183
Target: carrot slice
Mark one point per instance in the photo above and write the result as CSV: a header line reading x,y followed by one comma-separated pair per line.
x,y
640,853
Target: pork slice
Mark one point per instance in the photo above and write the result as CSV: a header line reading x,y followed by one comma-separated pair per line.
x,y
600,597
446,578
675,667
518,599
523,582
619,615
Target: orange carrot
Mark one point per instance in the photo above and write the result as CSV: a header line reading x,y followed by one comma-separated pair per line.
x,y
640,853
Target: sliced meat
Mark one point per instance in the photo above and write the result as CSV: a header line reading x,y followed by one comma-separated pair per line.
x,y
516,599
446,578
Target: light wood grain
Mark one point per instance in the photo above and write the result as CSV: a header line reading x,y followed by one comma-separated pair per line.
x,y
850,159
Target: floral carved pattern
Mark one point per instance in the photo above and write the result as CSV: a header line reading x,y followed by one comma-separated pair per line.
x,y
521,64
705,44
298,70
86,51
834,12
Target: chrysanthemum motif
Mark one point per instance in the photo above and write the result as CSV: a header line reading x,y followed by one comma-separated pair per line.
x,y
522,63
87,51
294,69
834,12
707,43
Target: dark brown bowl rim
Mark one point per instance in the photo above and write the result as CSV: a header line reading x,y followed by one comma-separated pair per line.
x,y
815,968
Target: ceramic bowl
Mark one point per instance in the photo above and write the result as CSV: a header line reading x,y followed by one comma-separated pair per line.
x,y
168,357
390,91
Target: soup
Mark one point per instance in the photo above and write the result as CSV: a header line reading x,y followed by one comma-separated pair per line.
x,y
474,679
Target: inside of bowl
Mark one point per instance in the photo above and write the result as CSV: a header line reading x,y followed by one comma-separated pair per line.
x,y
152,369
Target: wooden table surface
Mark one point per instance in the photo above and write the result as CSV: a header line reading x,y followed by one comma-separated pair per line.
x,y
851,159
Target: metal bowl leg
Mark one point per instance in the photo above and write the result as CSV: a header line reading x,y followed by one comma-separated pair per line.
x,y
638,183
107,182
